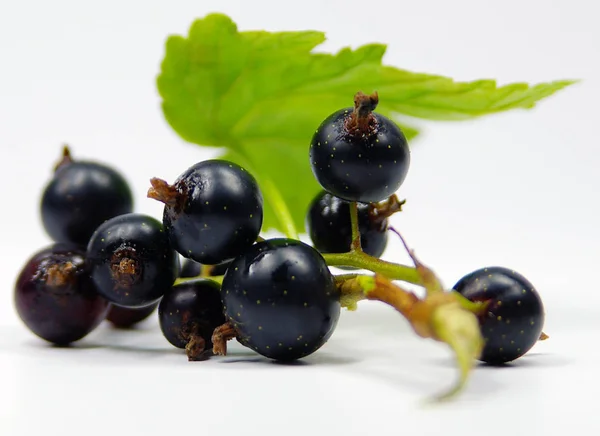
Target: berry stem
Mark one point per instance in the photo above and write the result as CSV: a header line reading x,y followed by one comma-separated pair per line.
x,y
360,259
429,280
438,316
382,290
218,279
356,243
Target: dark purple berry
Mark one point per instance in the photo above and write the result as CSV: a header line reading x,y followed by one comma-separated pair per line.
x,y
190,268
132,261
124,317
189,313
328,224
359,155
515,316
55,297
80,197
213,211
281,299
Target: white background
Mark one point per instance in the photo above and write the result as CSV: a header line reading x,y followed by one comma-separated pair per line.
x,y
518,189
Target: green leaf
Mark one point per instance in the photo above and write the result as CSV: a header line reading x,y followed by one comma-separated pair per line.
x,y
261,95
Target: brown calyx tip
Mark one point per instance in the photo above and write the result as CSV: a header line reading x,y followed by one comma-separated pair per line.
x,y
544,336
220,336
60,274
379,212
125,267
365,104
65,159
195,348
361,121
163,192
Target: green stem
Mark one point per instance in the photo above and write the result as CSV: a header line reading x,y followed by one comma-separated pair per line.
x,y
359,259
355,244
218,279
280,208
475,307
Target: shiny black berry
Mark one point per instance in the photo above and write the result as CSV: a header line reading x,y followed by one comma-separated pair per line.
x,y
132,261
190,268
80,197
281,299
125,317
189,313
328,224
515,316
55,297
213,211
359,155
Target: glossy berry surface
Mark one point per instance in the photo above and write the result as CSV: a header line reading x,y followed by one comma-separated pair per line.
x,y
328,224
192,308
55,297
125,317
132,261
190,268
365,167
515,317
281,299
80,197
213,211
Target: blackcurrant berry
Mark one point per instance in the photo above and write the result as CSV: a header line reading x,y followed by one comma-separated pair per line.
x,y
80,197
328,224
359,155
281,299
514,318
132,261
191,268
213,211
189,313
55,297
125,317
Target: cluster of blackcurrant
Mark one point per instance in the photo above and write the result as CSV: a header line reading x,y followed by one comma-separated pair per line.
x,y
212,277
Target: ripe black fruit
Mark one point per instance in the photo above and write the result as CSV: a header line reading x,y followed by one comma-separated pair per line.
x,y
55,297
132,262
80,197
125,317
281,299
359,155
213,211
189,313
515,316
329,227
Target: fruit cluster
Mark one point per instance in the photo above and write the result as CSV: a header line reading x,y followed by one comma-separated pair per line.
x,y
211,277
